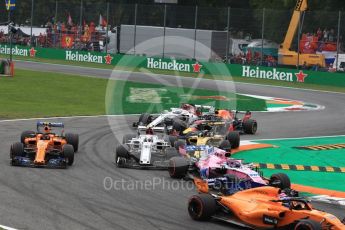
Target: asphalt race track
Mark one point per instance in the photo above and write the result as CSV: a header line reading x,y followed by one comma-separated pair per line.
x,y
77,198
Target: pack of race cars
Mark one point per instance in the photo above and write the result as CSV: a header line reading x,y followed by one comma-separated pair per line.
x,y
192,142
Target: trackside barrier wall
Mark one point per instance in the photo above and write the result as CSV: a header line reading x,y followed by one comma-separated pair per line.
x,y
186,66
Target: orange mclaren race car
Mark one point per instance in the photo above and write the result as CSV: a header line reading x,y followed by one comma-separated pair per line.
x,y
45,148
261,208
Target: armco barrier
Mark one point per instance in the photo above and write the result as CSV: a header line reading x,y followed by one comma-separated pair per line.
x,y
187,66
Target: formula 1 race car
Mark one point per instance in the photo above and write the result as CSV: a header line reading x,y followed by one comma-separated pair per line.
x,y
177,119
260,208
145,151
213,134
230,120
219,170
44,148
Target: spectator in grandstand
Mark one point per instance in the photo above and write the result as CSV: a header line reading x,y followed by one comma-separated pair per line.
x,y
319,34
331,36
325,34
58,27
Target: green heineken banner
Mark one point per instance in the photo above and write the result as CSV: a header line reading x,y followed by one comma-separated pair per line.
x,y
181,66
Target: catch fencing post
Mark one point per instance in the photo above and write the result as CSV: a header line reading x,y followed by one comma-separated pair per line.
x,y
227,36
164,29
32,18
262,35
338,41
135,25
195,25
107,30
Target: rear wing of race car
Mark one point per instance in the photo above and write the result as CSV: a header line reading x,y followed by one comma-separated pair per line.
x,y
50,124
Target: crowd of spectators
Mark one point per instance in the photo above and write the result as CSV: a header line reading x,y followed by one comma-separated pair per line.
x,y
253,59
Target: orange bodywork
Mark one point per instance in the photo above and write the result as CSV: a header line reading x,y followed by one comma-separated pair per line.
x,y
225,114
250,206
42,145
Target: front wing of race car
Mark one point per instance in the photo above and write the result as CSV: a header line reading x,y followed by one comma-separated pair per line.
x,y
131,163
27,162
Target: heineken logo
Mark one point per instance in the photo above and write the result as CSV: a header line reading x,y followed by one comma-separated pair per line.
x,y
173,65
88,57
273,74
15,51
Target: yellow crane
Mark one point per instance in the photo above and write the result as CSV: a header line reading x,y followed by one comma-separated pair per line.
x,y
288,57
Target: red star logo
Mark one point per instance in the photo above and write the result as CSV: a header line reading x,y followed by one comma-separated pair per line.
x,y
301,76
108,59
32,52
196,67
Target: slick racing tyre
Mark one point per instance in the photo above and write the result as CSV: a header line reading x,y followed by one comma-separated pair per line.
x,y
145,119
178,167
178,144
17,150
122,151
26,134
171,152
306,224
126,138
280,180
250,126
68,153
179,125
225,145
201,207
234,139
73,139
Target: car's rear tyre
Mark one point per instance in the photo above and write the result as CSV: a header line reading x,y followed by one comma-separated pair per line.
x,y
178,167
171,152
26,134
179,125
126,138
250,126
282,178
234,139
178,144
225,145
306,224
73,139
201,207
17,150
172,140
122,151
145,119
68,153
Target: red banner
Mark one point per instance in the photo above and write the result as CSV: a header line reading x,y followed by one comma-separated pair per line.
x,y
67,41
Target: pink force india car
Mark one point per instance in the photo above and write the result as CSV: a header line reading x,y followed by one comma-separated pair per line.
x,y
220,170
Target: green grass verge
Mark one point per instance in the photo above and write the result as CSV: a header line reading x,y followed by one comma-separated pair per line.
x,y
43,94
286,153
153,98
207,76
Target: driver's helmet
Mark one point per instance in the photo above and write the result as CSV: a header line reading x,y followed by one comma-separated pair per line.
x,y
149,131
298,205
47,129
235,164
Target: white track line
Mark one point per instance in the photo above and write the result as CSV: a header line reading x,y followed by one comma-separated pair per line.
x,y
7,228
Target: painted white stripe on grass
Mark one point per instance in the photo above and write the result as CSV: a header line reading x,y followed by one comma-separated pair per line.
x,y
7,228
302,106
